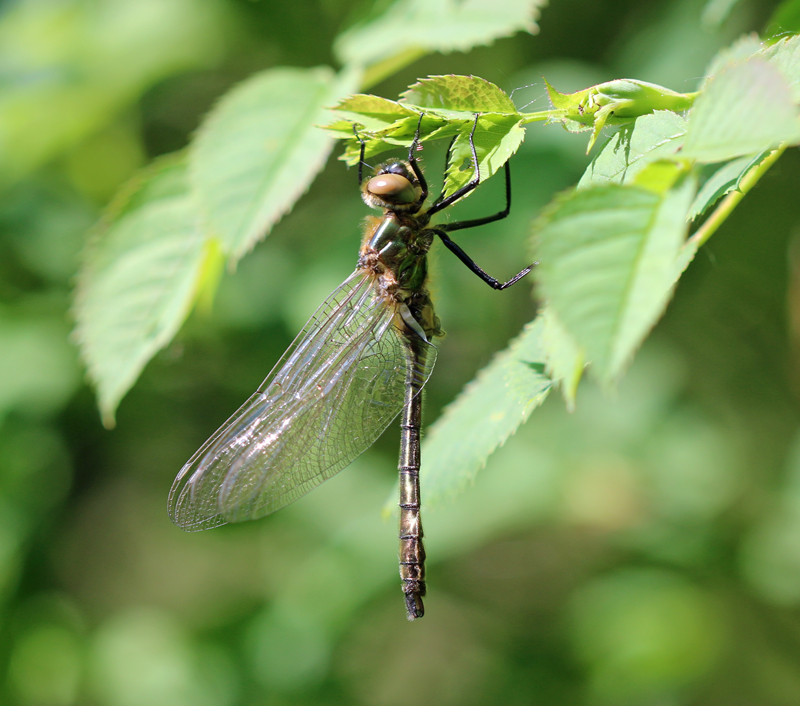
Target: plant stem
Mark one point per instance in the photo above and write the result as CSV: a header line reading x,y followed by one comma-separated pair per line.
x,y
721,212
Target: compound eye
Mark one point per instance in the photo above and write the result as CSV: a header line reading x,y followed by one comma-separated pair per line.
x,y
392,187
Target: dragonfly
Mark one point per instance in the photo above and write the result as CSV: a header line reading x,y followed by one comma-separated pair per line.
x,y
361,360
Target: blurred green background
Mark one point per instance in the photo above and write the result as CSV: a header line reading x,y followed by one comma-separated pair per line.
x,y
644,550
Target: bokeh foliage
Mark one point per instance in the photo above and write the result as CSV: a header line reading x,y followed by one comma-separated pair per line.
x,y
641,550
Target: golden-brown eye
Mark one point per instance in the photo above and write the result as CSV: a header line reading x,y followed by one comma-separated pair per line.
x,y
397,188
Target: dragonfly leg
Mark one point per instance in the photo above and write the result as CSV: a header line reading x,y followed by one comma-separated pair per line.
x,y
475,222
361,161
473,266
412,160
464,190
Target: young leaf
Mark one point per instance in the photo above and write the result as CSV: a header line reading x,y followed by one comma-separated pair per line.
x,y
745,109
138,281
485,414
259,150
411,28
607,262
496,139
467,94
446,107
648,139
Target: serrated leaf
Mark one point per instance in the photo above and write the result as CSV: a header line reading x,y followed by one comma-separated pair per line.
x,y
785,56
497,138
722,182
373,113
468,94
411,28
745,109
607,267
484,415
259,150
138,281
648,139
564,359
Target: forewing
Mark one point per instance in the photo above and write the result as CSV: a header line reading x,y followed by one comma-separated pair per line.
x,y
331,395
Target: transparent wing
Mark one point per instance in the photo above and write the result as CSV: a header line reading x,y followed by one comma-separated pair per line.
x,y
331,395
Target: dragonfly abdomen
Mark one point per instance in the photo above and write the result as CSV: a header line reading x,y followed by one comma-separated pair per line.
x,y
412,550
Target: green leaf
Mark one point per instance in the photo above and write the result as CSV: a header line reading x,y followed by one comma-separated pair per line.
x,y
373,113
785,56
648,139
485,414
564,358
745,109
138,281
259,150
69,67
447,107
468,94
607,267
496,139
722,182
411,28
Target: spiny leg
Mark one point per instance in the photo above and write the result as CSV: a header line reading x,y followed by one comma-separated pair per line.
x,y
464,190
361,162
412,160
473,267
475,222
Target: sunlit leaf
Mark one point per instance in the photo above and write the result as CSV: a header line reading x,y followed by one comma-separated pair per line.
x,y
649,138
412,28
439,107
607,259
564,358
746,108
138,281
468,94
496,140
485,414
259,149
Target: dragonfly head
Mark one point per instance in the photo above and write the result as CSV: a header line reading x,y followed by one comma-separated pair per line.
x,y
394,187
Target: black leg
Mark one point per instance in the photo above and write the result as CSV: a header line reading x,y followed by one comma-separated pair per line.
x,y
412,160
475,222
470,263
446,167
464,190
361,156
